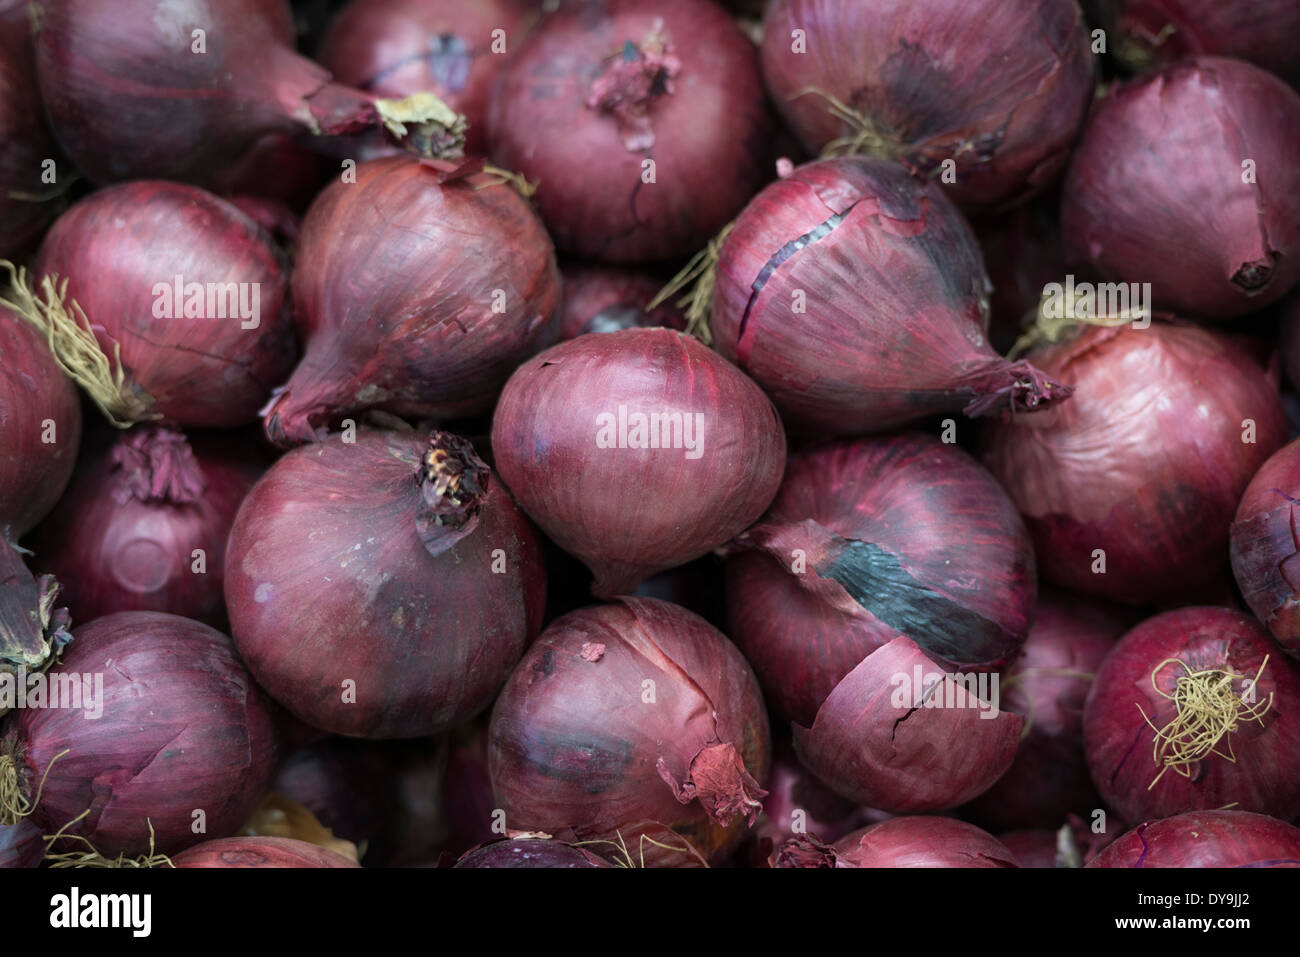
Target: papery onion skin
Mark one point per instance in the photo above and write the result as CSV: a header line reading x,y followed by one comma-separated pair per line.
x,y
868,540
1146,462
1119,741
394,48
576,745
1032,848
21,845
1206,839
1215,178
704,127
627,511
999,88
1264,546
36,399
414,294
856,297
183,728
120,250
796,804
346,785
530,852
904,842
607,299
26,201
125,536
330,584
258,852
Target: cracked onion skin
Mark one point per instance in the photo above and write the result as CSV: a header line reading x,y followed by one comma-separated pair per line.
x,y
614,715
856,297
367,566
1000,87
1222,838
1178,212
258,852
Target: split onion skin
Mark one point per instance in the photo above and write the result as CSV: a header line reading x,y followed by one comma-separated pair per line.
x,y
1206,839
259,852
1265,545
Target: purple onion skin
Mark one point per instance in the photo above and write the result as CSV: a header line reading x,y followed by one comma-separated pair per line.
x,y
124,536
1206,839
348,786
328,581
908,842
183,729
1146,461
33,392
530,852
709,129
855,295
258,852
607,299
1289,340
1119,741
21,845
1264,546
591,500
28,144
1236,227
1032,848
116,245
1000,88
899,535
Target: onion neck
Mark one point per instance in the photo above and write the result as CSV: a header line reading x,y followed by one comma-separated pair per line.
x,y
156,464
453,484
1011,386
32,630
631,82
719,781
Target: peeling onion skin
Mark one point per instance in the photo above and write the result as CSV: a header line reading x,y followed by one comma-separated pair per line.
x,y
1235,245
574,745
629,513
258,852
1265,545
999,87
33,474
27,145
894,302
709,130
1206,839
1145,461
607,299
394,296
900,535
115,245
904,842
183,727
1118,741
530,852
328,581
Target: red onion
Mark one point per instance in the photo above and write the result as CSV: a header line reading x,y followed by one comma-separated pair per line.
x,y
178,288
1206,839
1129,488
21,845
418,290
997,88
869,540
260,852
855,296
32,628
1193,710
1035,848
1147,33
644,125
347,786
382,587
143,89
144,528
605,299
454,48
632,717
1047,684
530,852
40,427
798,804
276,169
637,451
903,842
1265,544
180,729
27,193
1215,178
1289,342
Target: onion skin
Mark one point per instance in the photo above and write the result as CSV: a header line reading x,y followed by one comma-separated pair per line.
x,y
796,804
904,842
394,48
21,845
346,785
607,299
1000,88
590,500
116,245
1238,242
28,145
33,391
530,852
235,852
894,297
124,537
1119,741
1122,468
183,728
1264,546
1206,839
705,132
901,535
329,580
575,747
394,297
